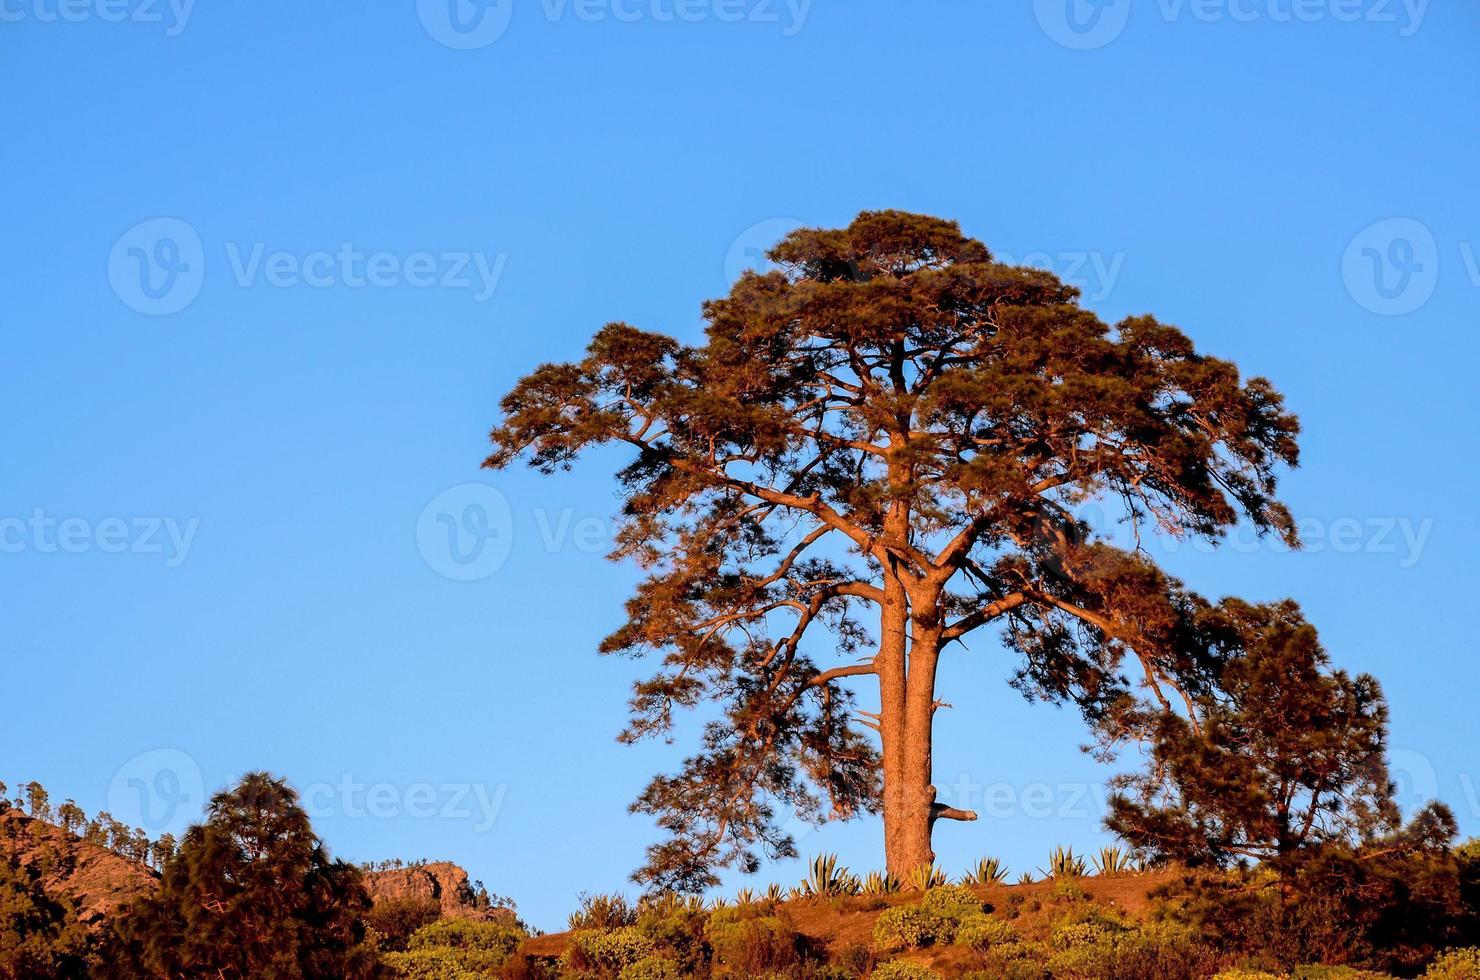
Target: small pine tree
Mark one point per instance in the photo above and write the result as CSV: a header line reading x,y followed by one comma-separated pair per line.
x,y
251,893
1283,755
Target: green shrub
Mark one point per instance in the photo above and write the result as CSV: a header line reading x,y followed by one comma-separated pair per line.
x,y
1316,971
984,932
1241,974
607,950
444,963
470,934
755,946
1457,964
910,927
652,968
902,970
395,920
1102,949
456,949
953,901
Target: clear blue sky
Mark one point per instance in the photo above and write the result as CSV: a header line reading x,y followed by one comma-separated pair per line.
x,y
1220,166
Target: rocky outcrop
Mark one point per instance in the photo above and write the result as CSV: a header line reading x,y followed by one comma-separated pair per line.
x,y
441,882
93,879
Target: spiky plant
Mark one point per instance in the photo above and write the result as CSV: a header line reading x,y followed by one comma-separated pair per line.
x,y
1064,863
827,879
603,912
746,896
667,904
774,893
925,877
988,871
1112,860
878,883
719,902
1026,878
796,893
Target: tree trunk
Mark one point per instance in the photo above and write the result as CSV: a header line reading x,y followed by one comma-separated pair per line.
x,y
907,695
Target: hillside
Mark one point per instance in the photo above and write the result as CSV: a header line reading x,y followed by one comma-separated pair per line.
x,y
92,878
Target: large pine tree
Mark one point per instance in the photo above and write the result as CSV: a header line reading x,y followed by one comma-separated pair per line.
x,y
885,440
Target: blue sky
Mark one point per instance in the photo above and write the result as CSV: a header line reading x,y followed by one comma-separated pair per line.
x,y
222,491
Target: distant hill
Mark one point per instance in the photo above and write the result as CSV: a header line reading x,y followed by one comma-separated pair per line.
x,y
93,878
98,882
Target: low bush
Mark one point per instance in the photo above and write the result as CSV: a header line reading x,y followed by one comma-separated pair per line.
x,y
455,949
444,963
606,952
1456,964
396,919
903,970
754,946
983,933
652,968
910,927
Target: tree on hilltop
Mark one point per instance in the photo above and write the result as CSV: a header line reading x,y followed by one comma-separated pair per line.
x,y
251,892
878,450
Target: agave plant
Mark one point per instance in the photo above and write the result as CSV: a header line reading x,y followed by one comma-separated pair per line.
x,y
1026,878
746,896
1064,863
603,912
667,904
988,871
925,877
774,893
1112,860
878,883
796,893
827,879
719,902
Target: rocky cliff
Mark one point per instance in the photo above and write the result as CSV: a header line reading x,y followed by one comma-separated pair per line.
x,y
439,881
